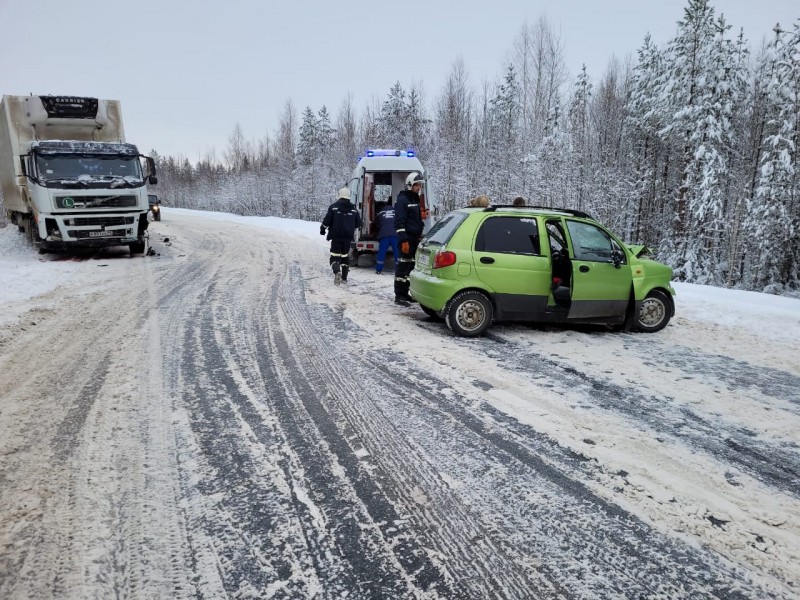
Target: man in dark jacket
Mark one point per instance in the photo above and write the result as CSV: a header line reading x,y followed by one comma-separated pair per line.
x,y
341,222
409,225
387,236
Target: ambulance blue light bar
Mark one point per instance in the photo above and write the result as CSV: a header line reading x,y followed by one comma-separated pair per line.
x,y
384,152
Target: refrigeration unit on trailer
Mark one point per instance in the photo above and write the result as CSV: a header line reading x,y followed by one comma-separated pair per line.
x,y
68,177
379,176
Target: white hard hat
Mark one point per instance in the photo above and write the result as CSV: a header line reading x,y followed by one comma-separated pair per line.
x,y
344,193
414,178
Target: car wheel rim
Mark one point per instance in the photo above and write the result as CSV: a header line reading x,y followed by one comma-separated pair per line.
x,y
470,315
652,312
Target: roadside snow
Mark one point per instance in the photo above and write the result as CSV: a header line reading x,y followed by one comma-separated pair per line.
x,y
24,274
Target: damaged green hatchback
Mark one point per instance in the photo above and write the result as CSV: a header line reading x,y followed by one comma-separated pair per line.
x,y
502,263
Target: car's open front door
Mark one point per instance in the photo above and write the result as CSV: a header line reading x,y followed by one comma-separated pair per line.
x,y
601,279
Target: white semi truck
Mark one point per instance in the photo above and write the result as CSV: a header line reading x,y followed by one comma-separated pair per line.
x,y
68,177
380,175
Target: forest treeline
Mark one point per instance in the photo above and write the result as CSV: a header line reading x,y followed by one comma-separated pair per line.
x,y
690,147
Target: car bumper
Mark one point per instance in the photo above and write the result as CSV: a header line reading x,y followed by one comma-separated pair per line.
x,y
432,292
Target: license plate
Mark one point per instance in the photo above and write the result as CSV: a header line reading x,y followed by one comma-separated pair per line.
x,y
424,260
100,233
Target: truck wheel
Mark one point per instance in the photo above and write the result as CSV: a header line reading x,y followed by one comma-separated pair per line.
x,y
158,216
136,248
26,225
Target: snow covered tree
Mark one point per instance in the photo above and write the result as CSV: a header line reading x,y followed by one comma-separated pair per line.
x,y
538,58
453,128
578,129
699,101
284,188
608,176
238,149
308,141
773,221
552,184
345,142
418,122
394,121
504,141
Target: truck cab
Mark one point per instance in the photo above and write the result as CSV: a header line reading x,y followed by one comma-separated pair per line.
x,y
68,176
380,175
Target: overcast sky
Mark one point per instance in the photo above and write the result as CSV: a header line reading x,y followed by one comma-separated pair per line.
x,y
187,71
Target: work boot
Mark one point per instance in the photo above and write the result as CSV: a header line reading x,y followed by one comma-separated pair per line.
x,y
337,273
345,271
401,301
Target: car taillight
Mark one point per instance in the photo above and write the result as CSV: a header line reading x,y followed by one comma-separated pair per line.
x,y
444,259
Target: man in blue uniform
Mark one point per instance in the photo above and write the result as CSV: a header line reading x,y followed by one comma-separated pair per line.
x,y
384,225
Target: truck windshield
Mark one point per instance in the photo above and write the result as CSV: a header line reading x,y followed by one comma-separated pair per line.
x,y
82,168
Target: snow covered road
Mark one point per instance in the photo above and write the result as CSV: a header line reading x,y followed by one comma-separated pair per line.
x,y
222,421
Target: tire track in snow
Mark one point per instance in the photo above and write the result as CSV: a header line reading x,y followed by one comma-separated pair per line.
x,y
774,465
362,522
221,409
639,558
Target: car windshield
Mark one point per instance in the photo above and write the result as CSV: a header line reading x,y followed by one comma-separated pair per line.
x,y
443,230
82,167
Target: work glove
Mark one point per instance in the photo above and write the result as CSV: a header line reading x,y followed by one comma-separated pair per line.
x,y
405,247
322,229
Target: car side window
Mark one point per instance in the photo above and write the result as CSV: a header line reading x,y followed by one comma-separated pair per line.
x,y
509,235
591,243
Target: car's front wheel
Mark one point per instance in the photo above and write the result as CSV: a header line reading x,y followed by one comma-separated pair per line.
x,y
469,314
654,313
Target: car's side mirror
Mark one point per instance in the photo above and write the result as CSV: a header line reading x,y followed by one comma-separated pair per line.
x,y
152,179
616,258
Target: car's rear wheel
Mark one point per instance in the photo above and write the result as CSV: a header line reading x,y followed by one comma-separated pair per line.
x,y
469,314
654,313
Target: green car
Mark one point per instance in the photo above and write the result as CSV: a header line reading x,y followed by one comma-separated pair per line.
x,y
501,263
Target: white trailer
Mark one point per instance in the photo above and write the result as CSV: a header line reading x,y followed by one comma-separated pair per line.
x,y
68,177
379,175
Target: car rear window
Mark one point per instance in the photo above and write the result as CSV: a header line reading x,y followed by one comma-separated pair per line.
x,y
509,235
443,229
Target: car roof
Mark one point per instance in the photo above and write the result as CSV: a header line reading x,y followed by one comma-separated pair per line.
x,y
535,210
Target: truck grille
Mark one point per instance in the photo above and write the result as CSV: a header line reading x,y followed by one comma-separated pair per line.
x,y
98,221
96,201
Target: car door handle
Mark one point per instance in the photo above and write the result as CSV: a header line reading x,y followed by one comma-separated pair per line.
x,y
583,269
487,260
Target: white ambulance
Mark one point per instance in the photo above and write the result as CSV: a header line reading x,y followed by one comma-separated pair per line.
x,y
379,176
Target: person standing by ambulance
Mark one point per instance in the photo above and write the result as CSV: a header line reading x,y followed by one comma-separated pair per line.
x,y
408,224
341,222
384,225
